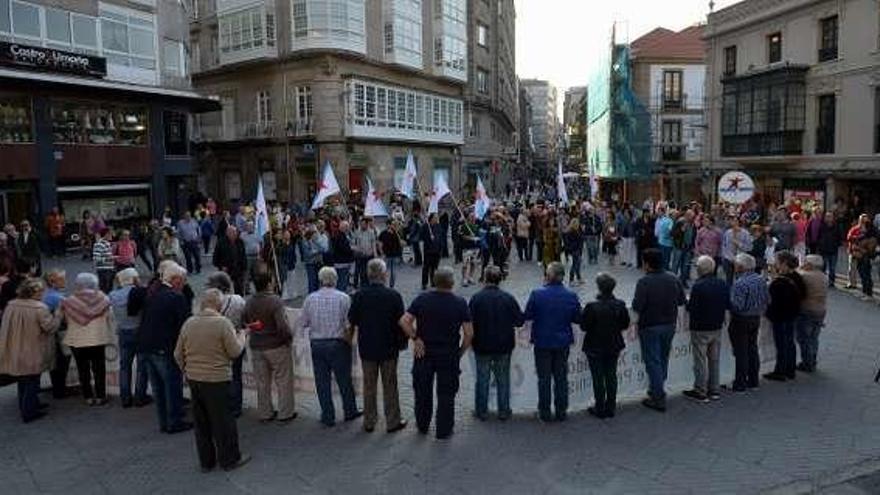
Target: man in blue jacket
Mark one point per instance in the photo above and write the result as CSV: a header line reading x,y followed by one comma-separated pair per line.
x,y
552,309
707,306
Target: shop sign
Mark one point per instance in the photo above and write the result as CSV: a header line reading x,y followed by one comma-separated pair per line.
x,y
50,59
735,187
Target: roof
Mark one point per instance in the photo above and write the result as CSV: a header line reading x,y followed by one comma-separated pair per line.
x,y
195,101
662,43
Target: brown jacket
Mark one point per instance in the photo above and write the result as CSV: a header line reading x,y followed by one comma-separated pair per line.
x,y
207,346
269,310
27,346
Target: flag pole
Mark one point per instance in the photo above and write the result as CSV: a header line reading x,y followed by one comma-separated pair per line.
x,y
428,223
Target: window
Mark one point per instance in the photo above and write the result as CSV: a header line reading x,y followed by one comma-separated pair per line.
x,y
672,96
26,20
403,32
176,135
5,22
16,119
826,119
730,60
474,127
50,27
450,42
482,35
671,138
264,108
774,48
300,112
829,30
450,51
97,123
85,33
482,81
246,29
173,58
328,24
58,28
128,38
232,181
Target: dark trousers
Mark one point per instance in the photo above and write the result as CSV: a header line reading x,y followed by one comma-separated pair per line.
x,y
56,246
332,358
603,369
531,248
127,356
864,267
743,331
417,253
206,242
191,251
90,362
58,375
216,433
167,384
552,365
105,280
656,344
28,402
235,386
522,248
786,351
445,368
150,260
432,260
360,271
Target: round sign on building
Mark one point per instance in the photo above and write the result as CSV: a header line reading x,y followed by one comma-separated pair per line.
x,y
735,187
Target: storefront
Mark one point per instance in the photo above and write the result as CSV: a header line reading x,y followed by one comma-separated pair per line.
x,y
69,138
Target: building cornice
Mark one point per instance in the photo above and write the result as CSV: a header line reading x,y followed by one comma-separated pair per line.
x,y
750,12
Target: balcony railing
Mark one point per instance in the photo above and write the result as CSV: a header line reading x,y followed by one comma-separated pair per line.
x,y
824,140
763,144
253,130
673,153
826,54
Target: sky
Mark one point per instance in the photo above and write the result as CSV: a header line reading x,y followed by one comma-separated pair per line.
x,y
558,39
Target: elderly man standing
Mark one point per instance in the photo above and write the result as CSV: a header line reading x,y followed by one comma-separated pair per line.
x,y
657,298
375,314
325,315
496,314
270,341
812,315
164,312
748,301
439,324
126,329
252,246
707,306
552,309
736,240
366,242
207,345
190,234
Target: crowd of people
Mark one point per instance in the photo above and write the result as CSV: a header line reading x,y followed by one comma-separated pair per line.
x,y
751,262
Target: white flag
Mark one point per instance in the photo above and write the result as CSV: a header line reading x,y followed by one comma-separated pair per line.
x,y
482,203
407,188
262,214
441,189
561,193
373,206
327,186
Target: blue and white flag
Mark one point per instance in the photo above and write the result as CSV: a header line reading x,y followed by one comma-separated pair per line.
x,y
482,203
561,193
262,215
407,188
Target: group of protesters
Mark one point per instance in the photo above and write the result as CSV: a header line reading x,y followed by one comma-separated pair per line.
x,y
751,261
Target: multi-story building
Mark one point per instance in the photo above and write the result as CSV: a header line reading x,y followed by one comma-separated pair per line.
x,y
491,95
545,122
357,83
525,143
668,77
574,123
794,98
94,108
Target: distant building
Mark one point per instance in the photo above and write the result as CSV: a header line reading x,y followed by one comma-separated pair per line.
x,y
574,124
794,96
525,142
545,122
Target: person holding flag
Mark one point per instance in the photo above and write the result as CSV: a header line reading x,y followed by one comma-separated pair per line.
x,y
561,193
327,186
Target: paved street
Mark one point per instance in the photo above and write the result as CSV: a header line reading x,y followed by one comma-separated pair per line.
x,y
820,433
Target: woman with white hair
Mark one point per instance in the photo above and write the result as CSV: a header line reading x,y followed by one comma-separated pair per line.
x,y
126,329
89,329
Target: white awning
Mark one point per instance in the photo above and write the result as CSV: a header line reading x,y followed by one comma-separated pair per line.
x,y
105,187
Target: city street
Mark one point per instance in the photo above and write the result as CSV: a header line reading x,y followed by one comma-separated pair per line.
x,y
820,433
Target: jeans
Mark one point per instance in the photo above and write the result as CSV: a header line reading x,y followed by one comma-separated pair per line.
x,y
105,279
808,328
864,267
342,277
333,357
90,362
360,272
417,253
445,368
57,246
552,364
428,268
167,384
706,350
497,365
235,386
215,429
191,251
575,267
28,402
312,277
786,352
592,243
683,266
390,262
666,253
522,248
390,394
830,267
127,355
206,243
743,332
603,370
656,342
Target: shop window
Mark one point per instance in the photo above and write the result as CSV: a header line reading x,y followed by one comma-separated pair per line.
x,y
176,135
15,120
94,123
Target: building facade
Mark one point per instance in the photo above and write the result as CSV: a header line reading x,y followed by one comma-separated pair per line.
x,y
794,98
574,123
545,122
95,105
669,75
356,83
491,95
525,143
